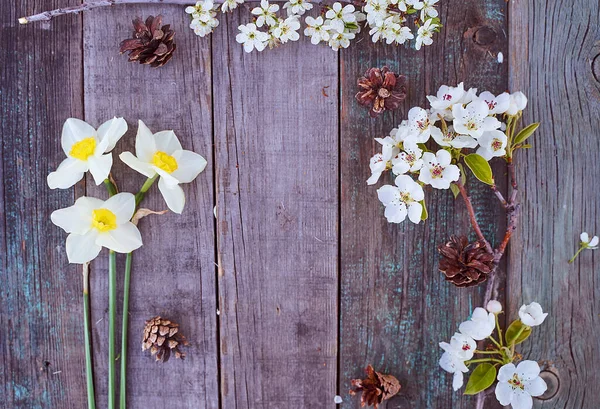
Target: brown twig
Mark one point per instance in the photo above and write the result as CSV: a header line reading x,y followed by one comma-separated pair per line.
x,y
471,211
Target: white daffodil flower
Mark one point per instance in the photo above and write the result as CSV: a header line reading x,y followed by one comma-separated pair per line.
x,y
454,139
421,125
161,154
480,325
86,149
461,345
286,30
473,119
339,16
316,29
409,160
455,365
497,104
494,307
252,38
265,14
402,200
518,102
587,243
297,7
446,96
425,34
492,144
437,170
93,223
517,384
532,314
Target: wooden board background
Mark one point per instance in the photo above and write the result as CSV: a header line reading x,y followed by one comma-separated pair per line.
x,y
310,281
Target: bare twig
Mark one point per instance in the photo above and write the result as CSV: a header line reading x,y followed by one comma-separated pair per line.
x,y
471,211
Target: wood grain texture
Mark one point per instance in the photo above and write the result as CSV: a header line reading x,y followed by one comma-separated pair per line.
x,y
553,63
41,361
276,156
395,305
173,274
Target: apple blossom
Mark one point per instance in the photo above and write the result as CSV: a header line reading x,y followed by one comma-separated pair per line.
x,y
316,29
455,140
517,103
252,38
425,34
421,125
378,164
409,160
517,384
402,200
532,314
461,345
297,7
437,170
339,16
265,14
286,30
446,96
480,325
496,104
473,119
455,365
492,144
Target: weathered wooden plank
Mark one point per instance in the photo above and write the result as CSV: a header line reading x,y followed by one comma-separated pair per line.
x,y
554,60
41,354
276,141
173,274
395,305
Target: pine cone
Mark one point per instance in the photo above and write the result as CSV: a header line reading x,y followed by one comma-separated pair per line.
x,y
381,90
161,337
151,44
465,264
376,387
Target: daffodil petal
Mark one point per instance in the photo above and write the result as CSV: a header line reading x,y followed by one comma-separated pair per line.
x,y
77,218
69,172
122,205
189,166
75,130
82,248
134,163
100,167
165,176
111,131
124,239
173,195
166,141
145,146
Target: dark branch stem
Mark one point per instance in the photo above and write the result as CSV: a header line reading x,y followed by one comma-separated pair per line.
x,y
471,211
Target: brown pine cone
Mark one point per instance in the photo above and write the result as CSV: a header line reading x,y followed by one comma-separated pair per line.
x,y
162,337
381,90
465,264
151,44
376,387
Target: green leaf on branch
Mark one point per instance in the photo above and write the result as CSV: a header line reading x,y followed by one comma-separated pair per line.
x,y
480,168
482,378
516,333
455,190
463,180
424,214
526,133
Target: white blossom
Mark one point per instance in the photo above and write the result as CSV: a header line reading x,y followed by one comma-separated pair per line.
x,y
420,124
517,385
252,38
455,365
473,119
203,28
286,30
402,200
265,14
377,11
494,307
340,40
446,96
454,139
588,243
409,160
203,10
297,7
437,170
461,345
518,102
427,8
339,16
317,29
425,34
496,104
378,164
480,325
229,5
492,144
532,314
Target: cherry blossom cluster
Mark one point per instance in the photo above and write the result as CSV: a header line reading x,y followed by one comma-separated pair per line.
x,y
466,127
336,26
516,385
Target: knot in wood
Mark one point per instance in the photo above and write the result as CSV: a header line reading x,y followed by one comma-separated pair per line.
x,y
553,383
596,67
484,35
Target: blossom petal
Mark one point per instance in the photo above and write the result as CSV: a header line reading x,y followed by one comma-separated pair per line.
x,y
173,195
145,145
82,248
134,163
528,370
112,130
457,380
504,393
373,178
74,130
166,141
387,194
77,218
521,400
536,387
584,237
122,205
100,167
506,372
396,213
69,172
124,239
594,242
189,166
415,210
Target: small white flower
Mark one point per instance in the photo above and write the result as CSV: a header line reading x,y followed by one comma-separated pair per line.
x,y
340,40
454,364
492,144
339,16
161,154
377,12
86,149
265,14
427,8
587,243
480,325
409,160
203,10
473,119
93,223
532,314
229,5
252,38
421,125
425,34
316,29
437,170
297,7
378,165
286,30
398,34
203,28
446,96
516,385
469,96
518,102
402,200
494,307
454,139
496,104
461,345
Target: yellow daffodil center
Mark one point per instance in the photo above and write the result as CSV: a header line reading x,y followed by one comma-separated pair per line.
x,y
104,220
83,149
165,162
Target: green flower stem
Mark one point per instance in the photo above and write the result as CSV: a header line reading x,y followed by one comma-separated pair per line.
x,y
475,361
495,342
499,330
493,352
110,187
87,338
140,195
112,309
576,254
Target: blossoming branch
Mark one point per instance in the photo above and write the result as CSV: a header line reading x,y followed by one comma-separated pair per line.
x,y
392,21
468,130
